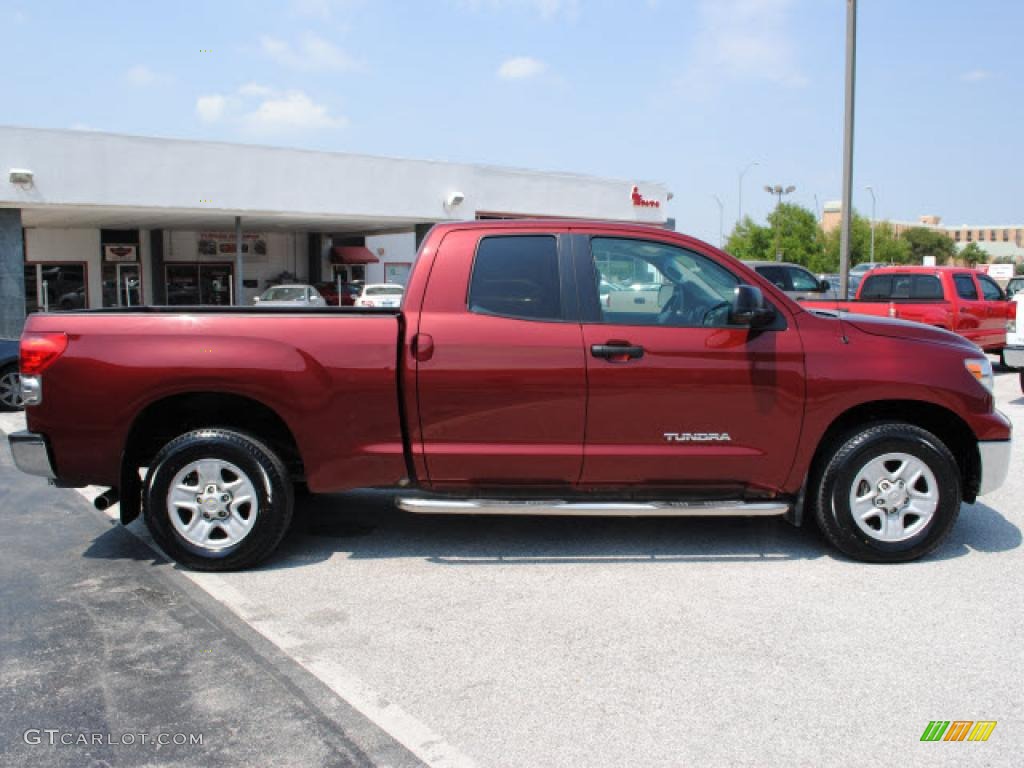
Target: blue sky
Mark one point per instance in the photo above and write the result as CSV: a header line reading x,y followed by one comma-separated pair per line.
x,y
686,91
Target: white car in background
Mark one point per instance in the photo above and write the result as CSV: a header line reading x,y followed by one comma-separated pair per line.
x,y
1012,355
290,296
381,295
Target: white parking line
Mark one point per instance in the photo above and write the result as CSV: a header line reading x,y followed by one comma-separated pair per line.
x,y
412,734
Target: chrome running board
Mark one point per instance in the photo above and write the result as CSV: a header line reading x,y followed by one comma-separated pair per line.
x,y
594,508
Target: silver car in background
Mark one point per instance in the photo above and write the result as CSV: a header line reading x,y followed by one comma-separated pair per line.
x,y
798,282
290,296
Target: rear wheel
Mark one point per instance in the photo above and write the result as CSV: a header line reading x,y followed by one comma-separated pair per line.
x,y
891,493
217,500
10,389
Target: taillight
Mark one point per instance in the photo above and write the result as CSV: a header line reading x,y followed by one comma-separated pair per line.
x,y
367,303
40,350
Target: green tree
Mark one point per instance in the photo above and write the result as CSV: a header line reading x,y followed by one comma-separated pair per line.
x,y
792,229
795,232
972,254
927,242
749,241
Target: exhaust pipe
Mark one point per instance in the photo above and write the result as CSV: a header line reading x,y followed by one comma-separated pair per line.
x,y
107,499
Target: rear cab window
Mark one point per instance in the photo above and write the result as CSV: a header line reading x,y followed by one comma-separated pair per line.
x,y
517,276
901,286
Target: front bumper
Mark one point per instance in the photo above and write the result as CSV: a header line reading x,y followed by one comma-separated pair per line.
x,y
1014,356
31,454
995,464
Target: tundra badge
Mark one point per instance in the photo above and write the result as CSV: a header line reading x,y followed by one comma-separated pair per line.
x,y
698,437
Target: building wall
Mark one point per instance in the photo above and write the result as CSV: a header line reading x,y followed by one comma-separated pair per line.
x,y
84,168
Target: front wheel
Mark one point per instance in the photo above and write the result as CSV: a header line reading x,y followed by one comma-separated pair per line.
x,y
891,493
217,500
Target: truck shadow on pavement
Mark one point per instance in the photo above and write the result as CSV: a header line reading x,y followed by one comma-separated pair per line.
x,y
367,525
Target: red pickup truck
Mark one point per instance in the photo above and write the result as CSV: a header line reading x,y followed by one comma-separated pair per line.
x,y
961,300
505,385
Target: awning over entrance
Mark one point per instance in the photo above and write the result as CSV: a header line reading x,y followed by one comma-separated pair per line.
x,y
352,254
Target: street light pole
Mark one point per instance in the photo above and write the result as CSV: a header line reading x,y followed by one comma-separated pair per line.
x,y
739,205
778,191
721,217
851,71
869,189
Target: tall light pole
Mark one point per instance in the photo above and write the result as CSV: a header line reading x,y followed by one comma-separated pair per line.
x,y
872,191
851,71
778,190
739,205
721,218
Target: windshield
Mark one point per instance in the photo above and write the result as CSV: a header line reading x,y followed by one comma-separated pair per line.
x,y
284,293
384,290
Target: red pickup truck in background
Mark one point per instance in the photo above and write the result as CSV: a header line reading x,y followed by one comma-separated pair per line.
x,y
958,299
505,385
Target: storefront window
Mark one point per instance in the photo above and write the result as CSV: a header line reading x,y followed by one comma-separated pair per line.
x,y
122,286
55,286
200,284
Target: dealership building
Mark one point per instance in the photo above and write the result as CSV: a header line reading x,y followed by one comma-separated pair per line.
x,y
92,220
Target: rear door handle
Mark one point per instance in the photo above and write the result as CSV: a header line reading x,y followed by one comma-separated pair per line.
x,y
617,351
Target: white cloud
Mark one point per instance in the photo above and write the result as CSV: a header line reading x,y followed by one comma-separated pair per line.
x,y
975,76
211,108
311,54
743,40
291,110
142,76
255,89
521,67
547,9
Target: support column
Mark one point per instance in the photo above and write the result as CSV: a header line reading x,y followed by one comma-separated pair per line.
x,y
239,287
12,274
156,265
315,256
421,232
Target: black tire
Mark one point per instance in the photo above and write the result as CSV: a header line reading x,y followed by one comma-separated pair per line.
x,y
260,466
1002,362
855,451
9,399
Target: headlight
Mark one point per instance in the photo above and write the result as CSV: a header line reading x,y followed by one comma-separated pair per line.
x,y
981,369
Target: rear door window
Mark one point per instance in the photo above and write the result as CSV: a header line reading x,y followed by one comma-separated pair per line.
x,y
965,287
516,276
775,275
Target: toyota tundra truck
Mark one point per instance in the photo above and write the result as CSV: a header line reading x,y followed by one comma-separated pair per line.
x,y
505,385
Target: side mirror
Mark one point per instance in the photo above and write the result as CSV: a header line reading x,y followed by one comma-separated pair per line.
x,y
825,286
748,308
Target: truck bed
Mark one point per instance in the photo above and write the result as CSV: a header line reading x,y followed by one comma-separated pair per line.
x,y
331,375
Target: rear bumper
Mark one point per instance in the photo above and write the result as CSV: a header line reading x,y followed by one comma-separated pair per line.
x,y
31,454
995,464
1014,356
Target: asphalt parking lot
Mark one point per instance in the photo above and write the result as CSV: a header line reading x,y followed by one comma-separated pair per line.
x,y
388,638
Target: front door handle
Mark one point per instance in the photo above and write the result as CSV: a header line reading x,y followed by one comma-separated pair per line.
x,y
617,351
